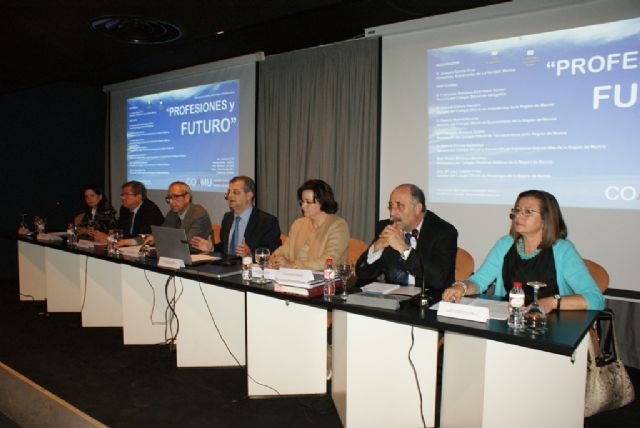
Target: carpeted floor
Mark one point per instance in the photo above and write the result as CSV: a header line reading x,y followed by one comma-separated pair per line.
x,y
133,386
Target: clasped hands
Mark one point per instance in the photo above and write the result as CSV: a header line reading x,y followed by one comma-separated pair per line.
x,y
391,236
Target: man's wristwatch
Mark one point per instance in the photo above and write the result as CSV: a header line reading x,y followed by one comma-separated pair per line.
x,y
558,299
405,254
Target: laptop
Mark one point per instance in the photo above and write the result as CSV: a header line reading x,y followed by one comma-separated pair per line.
x,y
172,243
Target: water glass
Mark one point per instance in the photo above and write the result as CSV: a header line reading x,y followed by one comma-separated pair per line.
x,y
262,257
344,271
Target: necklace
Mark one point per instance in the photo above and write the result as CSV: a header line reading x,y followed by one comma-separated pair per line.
x,y
521,252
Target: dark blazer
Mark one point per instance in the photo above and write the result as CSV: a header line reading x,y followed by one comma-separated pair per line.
x,y
196,222
433,259
263,231
148,214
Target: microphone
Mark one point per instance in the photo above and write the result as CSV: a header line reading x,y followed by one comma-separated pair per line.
x,y
423,300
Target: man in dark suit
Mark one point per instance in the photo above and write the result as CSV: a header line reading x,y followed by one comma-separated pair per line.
x,y
245,227
412,246
137,214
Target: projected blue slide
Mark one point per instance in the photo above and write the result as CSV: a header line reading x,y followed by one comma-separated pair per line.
x,y
189,134
557,111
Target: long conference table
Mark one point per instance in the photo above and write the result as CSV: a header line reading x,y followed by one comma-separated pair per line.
x,y
384,362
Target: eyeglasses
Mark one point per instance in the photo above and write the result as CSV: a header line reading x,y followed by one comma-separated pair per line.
x,y
170,198
123,194
527,212
305,201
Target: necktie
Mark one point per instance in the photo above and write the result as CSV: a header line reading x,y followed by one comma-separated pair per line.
x,y
402,276
179,223
133,217
235,238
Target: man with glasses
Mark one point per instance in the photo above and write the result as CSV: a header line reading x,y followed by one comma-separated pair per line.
x,y
412,246
137,213
245,227
184,214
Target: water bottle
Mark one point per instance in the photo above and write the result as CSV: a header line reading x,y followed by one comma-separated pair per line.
x,y
516,307
247,264
329,287
72,235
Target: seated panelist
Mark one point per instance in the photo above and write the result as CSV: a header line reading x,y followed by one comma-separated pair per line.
x,y
184,214
245,227
318,235
412,246
536,249
137,214
97,213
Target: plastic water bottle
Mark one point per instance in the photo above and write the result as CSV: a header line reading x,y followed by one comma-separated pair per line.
x,y
329,288
247,264
516,307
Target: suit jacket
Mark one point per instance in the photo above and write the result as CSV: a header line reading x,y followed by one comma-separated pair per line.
x,y
262,231
148,214
196,222
433,259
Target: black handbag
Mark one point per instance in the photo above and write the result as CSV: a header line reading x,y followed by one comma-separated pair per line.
x,y
608,384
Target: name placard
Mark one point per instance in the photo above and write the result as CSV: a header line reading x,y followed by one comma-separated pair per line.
x,y
295,275
463,312
85,243
170,263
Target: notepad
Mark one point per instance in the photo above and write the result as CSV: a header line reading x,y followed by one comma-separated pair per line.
x,y
380,288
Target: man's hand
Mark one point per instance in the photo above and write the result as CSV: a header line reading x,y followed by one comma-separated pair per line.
x,y
204,245
394,237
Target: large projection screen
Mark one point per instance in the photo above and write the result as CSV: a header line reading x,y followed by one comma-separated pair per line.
x,y
195,125
580,144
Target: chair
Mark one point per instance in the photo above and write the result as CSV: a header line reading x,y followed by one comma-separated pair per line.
x,y
464,264
599,274
215,232
355,248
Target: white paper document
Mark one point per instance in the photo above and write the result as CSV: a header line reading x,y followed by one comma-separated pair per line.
x,y
498,310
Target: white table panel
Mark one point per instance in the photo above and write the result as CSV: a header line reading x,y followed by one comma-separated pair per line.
x,y
103,300
373,382
201,342
143,306
483,377
286,347
31,269
64,279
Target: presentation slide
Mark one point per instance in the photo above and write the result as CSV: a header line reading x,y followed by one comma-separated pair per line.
x,y
557,111
190,134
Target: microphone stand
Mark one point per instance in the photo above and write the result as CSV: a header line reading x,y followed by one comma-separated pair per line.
x,y
424,300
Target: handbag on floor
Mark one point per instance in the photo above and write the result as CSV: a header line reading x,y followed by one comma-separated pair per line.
x,y
608,383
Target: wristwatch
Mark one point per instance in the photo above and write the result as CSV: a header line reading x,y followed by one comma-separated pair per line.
x,y
405,254
558,299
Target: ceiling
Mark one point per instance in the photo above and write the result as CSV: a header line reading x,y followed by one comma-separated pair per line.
x,y
45,41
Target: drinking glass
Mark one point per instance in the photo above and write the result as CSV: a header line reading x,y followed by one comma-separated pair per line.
x,y
39,223
344,271
144,247
262,256
535,320
117,236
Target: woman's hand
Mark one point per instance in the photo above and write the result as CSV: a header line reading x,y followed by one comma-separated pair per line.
x,y
278,261
455,293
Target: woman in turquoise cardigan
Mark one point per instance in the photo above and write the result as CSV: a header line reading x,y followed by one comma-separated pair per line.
x,y
536,249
